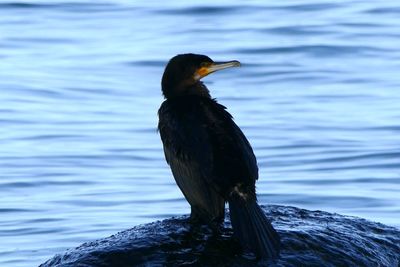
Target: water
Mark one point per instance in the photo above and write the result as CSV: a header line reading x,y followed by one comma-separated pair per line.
x,y
80,157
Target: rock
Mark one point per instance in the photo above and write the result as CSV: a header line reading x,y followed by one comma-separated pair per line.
x,y
309,238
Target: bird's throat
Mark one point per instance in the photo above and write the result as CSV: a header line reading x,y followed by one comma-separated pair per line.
x,y
198,89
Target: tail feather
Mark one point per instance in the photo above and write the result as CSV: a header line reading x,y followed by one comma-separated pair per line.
x,y
253,229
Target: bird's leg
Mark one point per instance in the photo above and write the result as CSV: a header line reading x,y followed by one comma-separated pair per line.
x,y
195,216
200,218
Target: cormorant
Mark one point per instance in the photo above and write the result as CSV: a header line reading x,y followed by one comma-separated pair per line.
x,y
210,158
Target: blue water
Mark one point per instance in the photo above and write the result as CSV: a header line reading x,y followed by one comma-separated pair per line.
x,y
80,158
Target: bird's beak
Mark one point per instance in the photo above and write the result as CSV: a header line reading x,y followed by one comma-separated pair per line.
x,y
213,67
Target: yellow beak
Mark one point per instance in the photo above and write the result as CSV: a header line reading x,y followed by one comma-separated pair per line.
x,y
213,67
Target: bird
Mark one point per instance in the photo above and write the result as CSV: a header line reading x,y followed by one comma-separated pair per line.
x,y
210,158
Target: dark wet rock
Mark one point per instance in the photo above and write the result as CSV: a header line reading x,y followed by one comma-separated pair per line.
x,y
309,238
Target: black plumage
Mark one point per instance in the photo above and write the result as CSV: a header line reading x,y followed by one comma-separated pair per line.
x,y
210,158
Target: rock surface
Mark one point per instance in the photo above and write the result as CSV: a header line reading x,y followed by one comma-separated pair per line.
x,y
309,238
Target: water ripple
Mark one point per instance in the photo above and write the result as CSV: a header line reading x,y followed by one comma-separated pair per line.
x,y
77,6
384,11
334,182
297,30
315,50
80,157
206,10
309,7
22,185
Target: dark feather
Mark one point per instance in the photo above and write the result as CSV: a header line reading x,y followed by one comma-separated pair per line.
x,y
207,152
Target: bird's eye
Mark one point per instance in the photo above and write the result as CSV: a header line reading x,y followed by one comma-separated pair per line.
x,y
203,64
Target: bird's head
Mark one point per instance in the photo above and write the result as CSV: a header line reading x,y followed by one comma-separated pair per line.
x,y
183,73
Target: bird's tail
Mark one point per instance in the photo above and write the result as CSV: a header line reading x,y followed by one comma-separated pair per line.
x,y
252,227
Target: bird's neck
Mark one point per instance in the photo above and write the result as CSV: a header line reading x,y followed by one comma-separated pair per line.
x,y
197,89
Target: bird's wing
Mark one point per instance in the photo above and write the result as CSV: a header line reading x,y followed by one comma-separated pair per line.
x,y
185,135
201,141
188,151
234,160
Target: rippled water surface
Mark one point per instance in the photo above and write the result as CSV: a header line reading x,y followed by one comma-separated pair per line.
x,y
80,158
